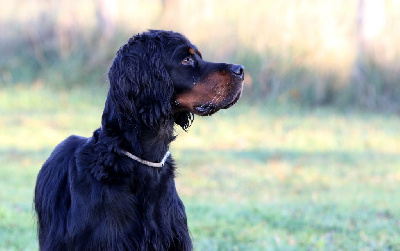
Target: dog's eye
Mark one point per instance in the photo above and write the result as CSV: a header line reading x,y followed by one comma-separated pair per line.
x,y
187,61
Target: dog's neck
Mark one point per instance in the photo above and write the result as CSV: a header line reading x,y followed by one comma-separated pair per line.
x,y
155,142
147,143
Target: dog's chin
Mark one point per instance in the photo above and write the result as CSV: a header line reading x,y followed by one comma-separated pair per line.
x,y
234,100
205,110
210,109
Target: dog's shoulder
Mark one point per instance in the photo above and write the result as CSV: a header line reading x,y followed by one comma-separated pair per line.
x,y
62,154
68,147
96,155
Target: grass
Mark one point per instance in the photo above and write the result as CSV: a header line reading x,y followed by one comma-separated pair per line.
x,y
254,177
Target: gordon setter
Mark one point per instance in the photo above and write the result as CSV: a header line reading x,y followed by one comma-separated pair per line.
x,y
116,189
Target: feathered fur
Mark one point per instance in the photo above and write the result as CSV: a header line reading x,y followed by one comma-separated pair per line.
x,y
89,195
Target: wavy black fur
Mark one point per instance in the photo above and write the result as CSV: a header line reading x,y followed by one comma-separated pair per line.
x,y
89,196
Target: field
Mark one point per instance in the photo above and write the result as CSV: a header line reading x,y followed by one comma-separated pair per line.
x,y
263,175
254,177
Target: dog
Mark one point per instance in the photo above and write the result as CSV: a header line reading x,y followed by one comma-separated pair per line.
x,y
116,190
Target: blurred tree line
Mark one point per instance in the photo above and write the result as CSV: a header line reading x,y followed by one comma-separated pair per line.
x,y
312,52
375,79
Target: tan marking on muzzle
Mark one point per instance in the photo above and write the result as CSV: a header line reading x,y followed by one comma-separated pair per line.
x,y
215,85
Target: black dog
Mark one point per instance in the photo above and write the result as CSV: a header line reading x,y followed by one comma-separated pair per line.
x,y
116,190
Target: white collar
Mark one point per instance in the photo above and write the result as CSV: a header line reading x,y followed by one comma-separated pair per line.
x,y
148,163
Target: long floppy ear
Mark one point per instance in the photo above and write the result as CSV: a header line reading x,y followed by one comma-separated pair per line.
x,y
140,87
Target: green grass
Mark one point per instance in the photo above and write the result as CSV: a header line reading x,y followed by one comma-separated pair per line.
x,y
254,177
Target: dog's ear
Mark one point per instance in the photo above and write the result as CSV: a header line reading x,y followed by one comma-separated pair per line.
x,y
140,86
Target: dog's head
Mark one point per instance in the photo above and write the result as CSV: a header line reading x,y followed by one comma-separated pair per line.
x,y
159,75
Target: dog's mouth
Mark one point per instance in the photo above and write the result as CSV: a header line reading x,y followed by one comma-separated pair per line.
x,y
235,99
218,91
210,108
206,109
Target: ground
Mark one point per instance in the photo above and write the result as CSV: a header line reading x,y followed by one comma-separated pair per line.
x,y
254,177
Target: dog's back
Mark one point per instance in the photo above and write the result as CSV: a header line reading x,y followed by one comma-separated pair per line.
x,y
53,196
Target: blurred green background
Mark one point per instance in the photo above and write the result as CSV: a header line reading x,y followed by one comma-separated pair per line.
x,y
309,159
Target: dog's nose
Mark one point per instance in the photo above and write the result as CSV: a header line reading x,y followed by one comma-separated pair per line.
x,y
238,70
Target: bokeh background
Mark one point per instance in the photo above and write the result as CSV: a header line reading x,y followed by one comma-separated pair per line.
x,y
309,159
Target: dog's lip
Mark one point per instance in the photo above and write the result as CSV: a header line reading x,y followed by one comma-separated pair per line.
x,y
234,100
210,108
206,109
